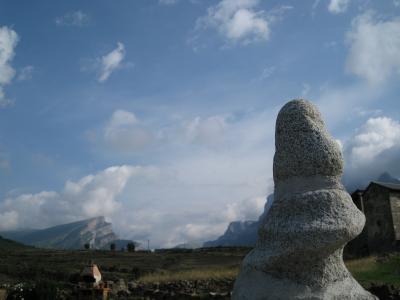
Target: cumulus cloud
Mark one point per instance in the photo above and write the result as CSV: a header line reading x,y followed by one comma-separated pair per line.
x,y
237,20
375,136
338,6
8,42
8,220
91,196
210,170
75,18
111,62
125,133
192,191
371,151
374,48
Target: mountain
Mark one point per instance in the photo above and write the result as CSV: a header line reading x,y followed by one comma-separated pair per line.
x,y
386,177
9,245
245,233
241,233
238,233
95,231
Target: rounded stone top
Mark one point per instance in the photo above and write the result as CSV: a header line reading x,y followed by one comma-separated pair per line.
x,y
303,147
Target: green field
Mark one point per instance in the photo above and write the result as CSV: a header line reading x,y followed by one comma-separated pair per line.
x,y
23,264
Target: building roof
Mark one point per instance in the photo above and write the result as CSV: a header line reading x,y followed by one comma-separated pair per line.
x,y
391,186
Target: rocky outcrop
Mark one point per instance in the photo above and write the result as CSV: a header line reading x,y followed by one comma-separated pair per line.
x,y
238,233
95,231
298,254
241,233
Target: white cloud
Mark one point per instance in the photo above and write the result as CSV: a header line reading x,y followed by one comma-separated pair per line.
x,y
8,42
396,3
125,133
371,151
25,73
237,20
209,171
8,220
375,136
209,131
4,101
111,62
191,193
76,18
338,6
374,48
91,196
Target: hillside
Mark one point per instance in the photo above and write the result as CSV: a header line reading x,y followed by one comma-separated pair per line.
x,y
241,233
95,231
9,245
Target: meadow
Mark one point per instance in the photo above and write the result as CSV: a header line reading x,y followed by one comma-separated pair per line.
x,y
25,264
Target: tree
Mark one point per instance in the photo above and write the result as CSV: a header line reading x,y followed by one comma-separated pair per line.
x,y
87,246
112,246
130,247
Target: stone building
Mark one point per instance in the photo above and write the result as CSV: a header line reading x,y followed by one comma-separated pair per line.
x,y
380,202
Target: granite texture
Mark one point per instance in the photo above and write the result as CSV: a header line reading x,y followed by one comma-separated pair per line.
x,y
299,252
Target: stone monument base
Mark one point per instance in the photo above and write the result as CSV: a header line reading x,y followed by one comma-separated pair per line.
x,y
262,286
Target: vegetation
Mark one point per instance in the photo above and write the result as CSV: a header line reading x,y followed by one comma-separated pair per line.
x,y
112,247
376,270
130,247
42,266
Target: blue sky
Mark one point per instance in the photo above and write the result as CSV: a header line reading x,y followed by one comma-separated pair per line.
x,y
159,114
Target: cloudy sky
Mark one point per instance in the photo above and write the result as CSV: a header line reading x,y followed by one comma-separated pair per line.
x,y
159,114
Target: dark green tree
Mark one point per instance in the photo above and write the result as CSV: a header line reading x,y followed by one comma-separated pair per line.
x,y
87,246
130,247
112,246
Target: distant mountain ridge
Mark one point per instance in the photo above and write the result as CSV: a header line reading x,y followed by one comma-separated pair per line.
x,y
386,177
95,231
238,233
10,245
241,233
245,233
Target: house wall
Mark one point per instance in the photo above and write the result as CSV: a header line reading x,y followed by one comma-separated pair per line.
x,y
395,207
377,208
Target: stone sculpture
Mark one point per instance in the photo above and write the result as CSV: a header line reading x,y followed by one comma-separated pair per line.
x,y
299,252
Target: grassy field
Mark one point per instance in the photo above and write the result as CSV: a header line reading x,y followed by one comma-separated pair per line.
x,y
28,264
376,270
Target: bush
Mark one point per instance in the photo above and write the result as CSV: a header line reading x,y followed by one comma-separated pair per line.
x,y
130,247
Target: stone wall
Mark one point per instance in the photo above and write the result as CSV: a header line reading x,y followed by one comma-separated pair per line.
x,y
395,207
379,222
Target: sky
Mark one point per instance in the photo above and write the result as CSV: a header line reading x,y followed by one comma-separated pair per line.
x,y
160,114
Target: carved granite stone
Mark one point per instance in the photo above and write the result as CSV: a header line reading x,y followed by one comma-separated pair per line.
x,y
299,252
